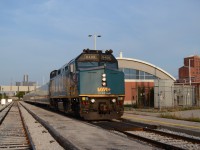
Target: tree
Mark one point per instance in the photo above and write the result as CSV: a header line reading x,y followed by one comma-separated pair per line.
x,y
3,96
20,94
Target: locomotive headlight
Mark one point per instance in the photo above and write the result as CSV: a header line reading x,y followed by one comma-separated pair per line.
x,y
103,83
103,79
113,100
92,100
104,75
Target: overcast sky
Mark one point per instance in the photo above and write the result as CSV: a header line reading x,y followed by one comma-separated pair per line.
x,y
38,36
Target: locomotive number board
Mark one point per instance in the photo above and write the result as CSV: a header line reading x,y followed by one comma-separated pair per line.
x,y
95,57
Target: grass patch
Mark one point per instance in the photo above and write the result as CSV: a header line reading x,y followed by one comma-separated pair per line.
x,y
173,116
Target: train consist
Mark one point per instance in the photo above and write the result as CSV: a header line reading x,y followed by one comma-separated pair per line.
x,y
89,86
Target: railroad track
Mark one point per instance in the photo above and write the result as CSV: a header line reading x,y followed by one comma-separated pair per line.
x,y
5,107
12,132
159,138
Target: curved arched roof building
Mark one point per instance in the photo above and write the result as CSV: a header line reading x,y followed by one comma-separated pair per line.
x,y
150,71
139,79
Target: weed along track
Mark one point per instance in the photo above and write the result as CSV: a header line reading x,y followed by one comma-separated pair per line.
x,y
12,132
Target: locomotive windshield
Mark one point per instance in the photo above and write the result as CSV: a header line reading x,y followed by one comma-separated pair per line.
x,y
112,65
96,59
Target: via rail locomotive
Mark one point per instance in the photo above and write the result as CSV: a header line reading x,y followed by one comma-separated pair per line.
x,y
89,86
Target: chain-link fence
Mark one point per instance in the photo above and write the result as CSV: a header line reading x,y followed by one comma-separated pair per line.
x,y
167,94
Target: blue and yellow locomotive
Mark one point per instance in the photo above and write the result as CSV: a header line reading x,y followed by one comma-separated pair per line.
x,y
90,86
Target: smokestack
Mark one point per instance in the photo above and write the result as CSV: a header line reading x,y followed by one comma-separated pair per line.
x,y
25,78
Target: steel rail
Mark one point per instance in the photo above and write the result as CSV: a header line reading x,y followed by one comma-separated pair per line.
x,y
12,132
4,116
121,128
26,130
192,140
153,142
6,106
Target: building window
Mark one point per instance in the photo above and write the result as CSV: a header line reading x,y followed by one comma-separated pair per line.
x,y
137,74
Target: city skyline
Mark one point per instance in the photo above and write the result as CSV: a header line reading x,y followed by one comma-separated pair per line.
x,y
37,37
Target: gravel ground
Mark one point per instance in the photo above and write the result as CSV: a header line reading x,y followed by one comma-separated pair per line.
x,y
182,144
41,138
3,106
183,126
83,135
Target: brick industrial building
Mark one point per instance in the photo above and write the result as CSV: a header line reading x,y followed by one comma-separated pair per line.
x,y
190,72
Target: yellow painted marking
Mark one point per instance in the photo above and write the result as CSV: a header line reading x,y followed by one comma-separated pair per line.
x,y
161,122
103,89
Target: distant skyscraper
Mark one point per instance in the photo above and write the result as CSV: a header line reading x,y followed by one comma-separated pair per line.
x,y
25,78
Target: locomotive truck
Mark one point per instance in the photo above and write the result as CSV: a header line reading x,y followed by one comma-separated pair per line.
x,y
90,86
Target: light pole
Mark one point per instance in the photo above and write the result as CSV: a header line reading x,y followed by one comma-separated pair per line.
x,y
2,94
189,72
95,38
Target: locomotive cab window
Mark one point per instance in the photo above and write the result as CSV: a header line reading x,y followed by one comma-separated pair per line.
x,y
66,68
112,65
59,71
91,59
87,64
72,67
